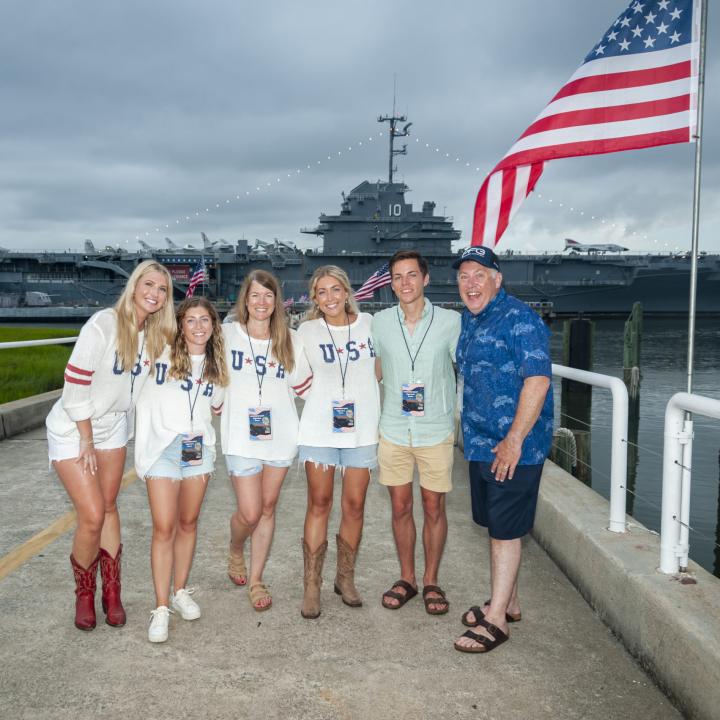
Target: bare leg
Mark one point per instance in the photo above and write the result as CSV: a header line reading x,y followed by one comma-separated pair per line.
x,y
163,494
192,493
504,567
272,480
87,499
111,464
320,480
434,536
248,494
354,490
403,525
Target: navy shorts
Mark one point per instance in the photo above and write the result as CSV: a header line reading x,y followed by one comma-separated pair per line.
x,y
506,509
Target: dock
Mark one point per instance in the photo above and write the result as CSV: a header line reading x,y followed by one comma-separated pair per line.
x,y
561,662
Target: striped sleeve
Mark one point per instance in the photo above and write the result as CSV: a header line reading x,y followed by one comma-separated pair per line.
x,y
301,377
85,358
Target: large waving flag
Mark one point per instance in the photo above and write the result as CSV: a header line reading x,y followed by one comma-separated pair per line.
x,y
378,279
637,88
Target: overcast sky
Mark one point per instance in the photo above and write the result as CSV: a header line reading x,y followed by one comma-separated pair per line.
x,y
121,118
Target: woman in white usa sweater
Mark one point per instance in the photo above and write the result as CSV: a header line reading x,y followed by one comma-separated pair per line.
x,y
339,427
88,427
175,452
267,368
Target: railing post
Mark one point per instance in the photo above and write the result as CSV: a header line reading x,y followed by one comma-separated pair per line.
x,y
618,461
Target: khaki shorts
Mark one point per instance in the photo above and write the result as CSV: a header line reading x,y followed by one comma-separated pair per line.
x,y
434,462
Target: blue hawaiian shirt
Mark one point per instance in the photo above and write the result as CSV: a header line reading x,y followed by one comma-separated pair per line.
x,y
498,348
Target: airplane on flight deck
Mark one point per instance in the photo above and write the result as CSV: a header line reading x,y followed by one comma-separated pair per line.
x,y
575,246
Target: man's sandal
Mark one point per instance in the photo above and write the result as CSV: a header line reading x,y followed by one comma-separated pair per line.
x,y
410,592
480,615
442,600
485,644
258,592
237,571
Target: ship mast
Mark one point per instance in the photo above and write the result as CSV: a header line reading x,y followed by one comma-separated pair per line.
x,y
394,119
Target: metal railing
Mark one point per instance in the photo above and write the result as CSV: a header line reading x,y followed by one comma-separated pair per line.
x,y
618,439
677,466
35,343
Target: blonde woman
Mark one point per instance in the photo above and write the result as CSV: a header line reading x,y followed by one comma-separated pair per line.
x,y
88,427
267,368
339,428
175,452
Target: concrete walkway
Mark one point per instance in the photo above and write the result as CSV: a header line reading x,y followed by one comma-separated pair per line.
x,y
561,662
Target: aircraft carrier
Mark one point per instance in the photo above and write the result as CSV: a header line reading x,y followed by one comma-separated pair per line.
x,y
373,222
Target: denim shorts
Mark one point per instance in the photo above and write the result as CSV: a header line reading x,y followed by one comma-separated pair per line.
x,y
168,464
244,466
364,456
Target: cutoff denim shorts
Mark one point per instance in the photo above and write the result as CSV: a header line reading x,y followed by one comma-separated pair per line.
x,y
245,466
364,456
168,464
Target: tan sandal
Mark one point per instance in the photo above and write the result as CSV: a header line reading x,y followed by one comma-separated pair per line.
x,y
237,571
258,592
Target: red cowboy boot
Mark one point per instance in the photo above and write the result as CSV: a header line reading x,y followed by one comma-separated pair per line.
x,y
85,593
111,603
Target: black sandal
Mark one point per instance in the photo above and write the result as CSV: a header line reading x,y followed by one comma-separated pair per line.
x,y
442,600
479,614
410,593
485,644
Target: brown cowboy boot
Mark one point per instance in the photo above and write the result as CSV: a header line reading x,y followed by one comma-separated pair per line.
x,y
312,580
110,573
345,576
85,593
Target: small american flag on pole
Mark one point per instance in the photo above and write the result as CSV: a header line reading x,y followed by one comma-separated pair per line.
x,y
637,88
378,279
199,276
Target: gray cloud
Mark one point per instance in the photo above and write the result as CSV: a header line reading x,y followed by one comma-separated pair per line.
x,y
122,118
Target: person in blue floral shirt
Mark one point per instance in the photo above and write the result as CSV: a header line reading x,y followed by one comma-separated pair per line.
x,y
503,358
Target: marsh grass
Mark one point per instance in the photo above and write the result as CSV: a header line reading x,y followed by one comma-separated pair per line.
x,y
30,371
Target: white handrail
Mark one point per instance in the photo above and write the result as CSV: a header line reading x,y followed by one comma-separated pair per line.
x,y
677,460
618,446
35,343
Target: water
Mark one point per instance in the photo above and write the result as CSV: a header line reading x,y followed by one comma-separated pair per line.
x,y
664,372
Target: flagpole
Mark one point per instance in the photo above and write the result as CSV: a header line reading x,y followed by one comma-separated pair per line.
x,y
696,195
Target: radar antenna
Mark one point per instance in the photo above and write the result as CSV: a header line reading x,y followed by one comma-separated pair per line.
x,y
394,119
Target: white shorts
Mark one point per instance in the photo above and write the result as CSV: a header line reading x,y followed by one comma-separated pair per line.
x,y
109,433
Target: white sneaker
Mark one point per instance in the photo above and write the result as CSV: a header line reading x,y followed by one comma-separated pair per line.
x,y
185,605
158,630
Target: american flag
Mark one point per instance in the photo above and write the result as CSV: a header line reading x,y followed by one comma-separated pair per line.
x,y
637,88
378,279
199,276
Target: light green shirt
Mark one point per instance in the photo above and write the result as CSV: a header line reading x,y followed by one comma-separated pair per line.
x,y
433,367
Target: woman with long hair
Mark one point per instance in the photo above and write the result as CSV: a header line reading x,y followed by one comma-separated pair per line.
x,y
267,368
88,427
175,452
339,427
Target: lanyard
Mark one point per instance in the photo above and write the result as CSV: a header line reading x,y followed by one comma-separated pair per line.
x,y
197,392
343,371
412,357
132,374
260,377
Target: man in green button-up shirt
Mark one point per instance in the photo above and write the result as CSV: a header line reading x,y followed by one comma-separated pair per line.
x,y
415,343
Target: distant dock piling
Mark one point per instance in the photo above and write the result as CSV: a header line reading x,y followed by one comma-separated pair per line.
x,y
576,401
632,345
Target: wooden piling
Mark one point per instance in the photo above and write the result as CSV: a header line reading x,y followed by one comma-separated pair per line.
x,y
632,342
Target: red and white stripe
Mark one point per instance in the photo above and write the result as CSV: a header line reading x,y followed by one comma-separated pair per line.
x,y
77,375
304,386
609,105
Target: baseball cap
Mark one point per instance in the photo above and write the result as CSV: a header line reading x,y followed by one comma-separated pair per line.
x,y
479,254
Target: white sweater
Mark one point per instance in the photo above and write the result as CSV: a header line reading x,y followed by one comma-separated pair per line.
x,y
163,412
95,384
278,392
329,350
